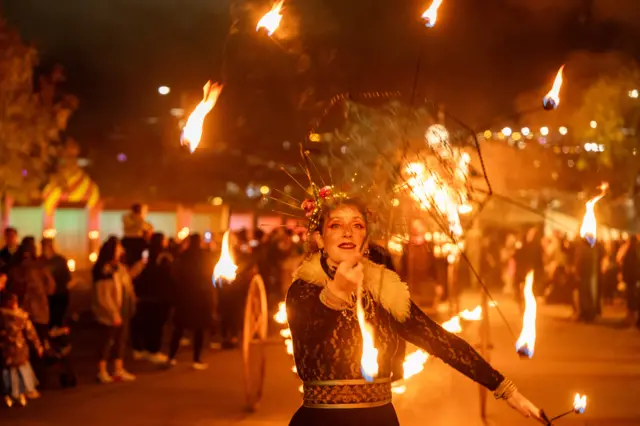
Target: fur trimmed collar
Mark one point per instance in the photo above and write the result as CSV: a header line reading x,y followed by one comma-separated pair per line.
x,y
385,286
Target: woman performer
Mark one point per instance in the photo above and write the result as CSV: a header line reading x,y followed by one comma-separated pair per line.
x,y
326,337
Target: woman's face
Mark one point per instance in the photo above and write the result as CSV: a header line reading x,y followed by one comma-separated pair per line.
x,y
343,235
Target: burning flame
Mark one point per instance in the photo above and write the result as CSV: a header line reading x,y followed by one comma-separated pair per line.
x,y
453,325
183,233
192,131
431,191
475,315
225,268
431,15
414,363
589,223
580,403
71,265
552,99
527,340
281,316
369,360
271,20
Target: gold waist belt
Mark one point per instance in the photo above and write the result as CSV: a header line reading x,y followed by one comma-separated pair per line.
x,y
347,393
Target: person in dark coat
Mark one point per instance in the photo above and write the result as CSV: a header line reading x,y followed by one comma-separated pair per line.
x,y
11,244
57,266
193,297
153,293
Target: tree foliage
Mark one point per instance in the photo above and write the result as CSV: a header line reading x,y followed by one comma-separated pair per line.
x,y
32,118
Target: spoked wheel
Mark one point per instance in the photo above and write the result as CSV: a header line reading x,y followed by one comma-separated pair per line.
x,y
254,334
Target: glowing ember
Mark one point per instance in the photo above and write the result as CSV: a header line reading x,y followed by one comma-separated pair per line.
x,y
286,333
414,363
527,340
453,325
281,316
430,15
183,233
552,99
271,20
589,223
225,268
475,315
580,403
192,131
398,389
369,360
431,191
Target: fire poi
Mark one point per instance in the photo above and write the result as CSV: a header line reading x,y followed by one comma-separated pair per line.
x,y
551,100
527,340
192,131
271,20
588,229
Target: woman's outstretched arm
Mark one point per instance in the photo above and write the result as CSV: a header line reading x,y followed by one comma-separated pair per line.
x,y
425,333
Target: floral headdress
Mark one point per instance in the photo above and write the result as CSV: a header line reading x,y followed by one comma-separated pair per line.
x,y
323,199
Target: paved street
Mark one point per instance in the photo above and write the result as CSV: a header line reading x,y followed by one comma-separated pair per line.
x,y
600,360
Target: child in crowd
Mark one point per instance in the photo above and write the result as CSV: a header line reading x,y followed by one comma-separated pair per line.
x,y
18,380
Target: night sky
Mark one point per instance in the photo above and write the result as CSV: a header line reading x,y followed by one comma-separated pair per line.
x,y
480,56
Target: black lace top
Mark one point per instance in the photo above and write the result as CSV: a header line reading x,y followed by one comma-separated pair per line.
x,y
327,343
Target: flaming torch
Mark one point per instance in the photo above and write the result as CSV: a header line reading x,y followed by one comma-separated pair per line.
x,y
192,131
589,223
527,340
431,15
225,269
369,360
579,406
271,20
552,99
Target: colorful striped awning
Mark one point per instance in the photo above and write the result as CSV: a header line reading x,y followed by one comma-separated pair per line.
x,y
77,187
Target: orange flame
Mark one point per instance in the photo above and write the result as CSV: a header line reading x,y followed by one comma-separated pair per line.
x,y
580,403
225,268
71,265
369,360
271,20
430,191
431,15
527,340
192,131
281,316
552,99
589,225
474,315
453,325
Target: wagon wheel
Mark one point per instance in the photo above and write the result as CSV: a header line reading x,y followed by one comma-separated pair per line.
x,y
254,334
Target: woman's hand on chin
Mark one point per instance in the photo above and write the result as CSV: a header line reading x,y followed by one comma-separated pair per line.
x,y
349,275
525,407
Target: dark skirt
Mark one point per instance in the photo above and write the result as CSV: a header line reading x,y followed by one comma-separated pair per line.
x,y
376,416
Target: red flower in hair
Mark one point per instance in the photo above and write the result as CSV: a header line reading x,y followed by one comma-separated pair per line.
x,y
325,192
308,206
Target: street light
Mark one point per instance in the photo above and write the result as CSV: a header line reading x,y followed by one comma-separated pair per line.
x,y
544,131
507,131
563,130
593,124
164,90
633,93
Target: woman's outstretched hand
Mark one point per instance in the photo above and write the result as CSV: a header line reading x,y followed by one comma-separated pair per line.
x,y
349,275
525,407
